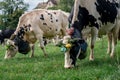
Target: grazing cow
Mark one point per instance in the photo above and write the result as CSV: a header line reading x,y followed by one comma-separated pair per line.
x,y
96,17
75,48
5,34
35,25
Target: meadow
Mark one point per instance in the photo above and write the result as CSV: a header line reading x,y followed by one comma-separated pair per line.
x,y
22,67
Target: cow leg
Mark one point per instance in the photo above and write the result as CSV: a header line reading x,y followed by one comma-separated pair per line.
x,y
114,42
32,49
55,40
39,37
94,32
109,43
42,46
115,32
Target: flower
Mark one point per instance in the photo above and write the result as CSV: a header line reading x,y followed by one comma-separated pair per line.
x,y
68,45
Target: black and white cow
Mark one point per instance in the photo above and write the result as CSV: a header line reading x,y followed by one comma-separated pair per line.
x,y
77,49
95,17
5,34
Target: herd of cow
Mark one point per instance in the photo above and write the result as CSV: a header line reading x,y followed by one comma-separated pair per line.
x,y
87,17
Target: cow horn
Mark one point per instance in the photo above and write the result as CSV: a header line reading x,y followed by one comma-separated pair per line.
x,y
12,37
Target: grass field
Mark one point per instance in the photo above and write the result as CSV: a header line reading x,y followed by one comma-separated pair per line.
x,y
22,67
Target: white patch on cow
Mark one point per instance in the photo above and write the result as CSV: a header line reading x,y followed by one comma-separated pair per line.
x,y
105,29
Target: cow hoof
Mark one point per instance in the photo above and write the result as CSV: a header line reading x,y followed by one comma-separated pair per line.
x,y
68,67
31,56
91,59
45,55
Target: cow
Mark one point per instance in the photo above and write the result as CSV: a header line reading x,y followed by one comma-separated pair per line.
x,y
95,17
36,25
74,47
5,34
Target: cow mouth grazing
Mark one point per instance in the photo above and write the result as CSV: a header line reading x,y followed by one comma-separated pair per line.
x,y
16,45
11,49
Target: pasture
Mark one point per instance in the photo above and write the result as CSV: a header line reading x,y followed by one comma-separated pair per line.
x,y
22,67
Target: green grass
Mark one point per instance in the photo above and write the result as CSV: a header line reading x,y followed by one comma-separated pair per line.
x,y
22,67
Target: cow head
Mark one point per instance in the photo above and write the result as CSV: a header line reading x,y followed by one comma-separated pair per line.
x,y
12,49
74,47
17,44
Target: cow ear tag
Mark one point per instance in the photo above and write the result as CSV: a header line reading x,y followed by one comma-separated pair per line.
x,y
63,49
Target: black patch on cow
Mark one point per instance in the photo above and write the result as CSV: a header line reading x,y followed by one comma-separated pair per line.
x,y
25,28
49,13
42,17
21,32
50,28
84,19
51,17
54,12
93,21
51,21
56,20
45,41
44,23
107,10
23,46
